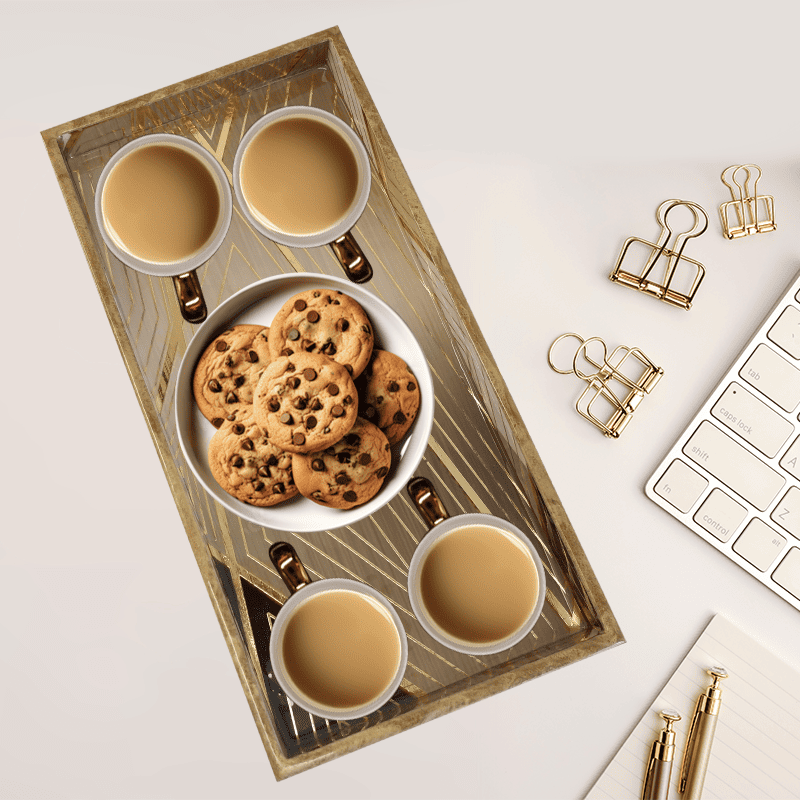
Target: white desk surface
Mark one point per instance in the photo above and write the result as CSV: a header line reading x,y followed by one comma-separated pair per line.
x,y
538,136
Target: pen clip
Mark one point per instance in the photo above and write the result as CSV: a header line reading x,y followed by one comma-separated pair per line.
x,y
687,753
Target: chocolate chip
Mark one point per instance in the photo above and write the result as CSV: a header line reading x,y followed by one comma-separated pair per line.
x,y
381,473
311,422
289,367
300,403
342,479
400,417
312,316
353,439
293,382
364,459
293,335
238,429
259,486
342,325
247,444
411,386
343,457
264,471
329,348
326,429
318,465
221,346
337,411
350,496
316,405
365,328
252,356
272,461
348,400
309,374
214,385
229,362
298,439
333,389
237,461
239,380
278,488
217,422
309,346
369,412
274,404
231,398
286,418
299,305
231,417
287,352
393,386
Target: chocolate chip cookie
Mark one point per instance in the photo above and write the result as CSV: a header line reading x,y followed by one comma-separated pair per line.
x,y
323,321
227,373
248,466
389,394
305,402
349,472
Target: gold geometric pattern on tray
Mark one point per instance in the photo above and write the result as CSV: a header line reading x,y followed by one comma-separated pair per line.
x,y
478,456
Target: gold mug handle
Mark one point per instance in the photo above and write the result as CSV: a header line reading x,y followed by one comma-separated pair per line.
x,y
426,501
289,566
352,258
190,297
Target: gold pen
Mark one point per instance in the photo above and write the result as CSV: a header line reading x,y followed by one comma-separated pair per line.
x,y
659,767
701,737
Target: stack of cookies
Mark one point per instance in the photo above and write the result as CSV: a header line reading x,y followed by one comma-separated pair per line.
x,y
306,405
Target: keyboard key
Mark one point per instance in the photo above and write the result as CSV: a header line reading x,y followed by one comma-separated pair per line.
x,y
753,420
720,515
736,467
786,331
787,512
791,459
681,486
759,544
787,573
773,376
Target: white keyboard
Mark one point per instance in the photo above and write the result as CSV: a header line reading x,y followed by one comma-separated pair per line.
x,y
733,476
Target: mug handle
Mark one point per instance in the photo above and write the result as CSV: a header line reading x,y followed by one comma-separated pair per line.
x,y
352,258
289,566
190,297
427,502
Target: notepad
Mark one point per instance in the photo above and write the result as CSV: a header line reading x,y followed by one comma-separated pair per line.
x,y
756,751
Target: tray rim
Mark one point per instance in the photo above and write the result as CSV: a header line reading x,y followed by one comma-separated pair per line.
x,y
282,766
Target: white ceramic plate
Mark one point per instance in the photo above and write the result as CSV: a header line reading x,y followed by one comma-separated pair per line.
x,y
257,304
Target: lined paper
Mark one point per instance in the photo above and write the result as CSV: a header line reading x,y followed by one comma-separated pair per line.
x,y
756,751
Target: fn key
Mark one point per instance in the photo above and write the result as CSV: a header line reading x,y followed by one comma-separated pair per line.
x,y
681,486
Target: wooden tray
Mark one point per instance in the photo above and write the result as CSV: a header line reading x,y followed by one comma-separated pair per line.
x,y
479,455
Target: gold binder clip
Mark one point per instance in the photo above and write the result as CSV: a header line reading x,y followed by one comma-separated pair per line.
x,y
608,385
748,212
673,256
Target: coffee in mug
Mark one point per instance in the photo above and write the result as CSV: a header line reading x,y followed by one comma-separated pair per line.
x,y
302,177
163,207
340,649
476,583
337,648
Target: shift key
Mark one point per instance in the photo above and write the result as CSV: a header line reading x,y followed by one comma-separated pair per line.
x,y
736,467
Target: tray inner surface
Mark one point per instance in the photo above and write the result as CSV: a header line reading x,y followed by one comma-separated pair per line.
x,y
472,457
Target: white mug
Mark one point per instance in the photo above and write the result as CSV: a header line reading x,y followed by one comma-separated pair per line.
x,y
295,576
337,235
183,272
441,526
